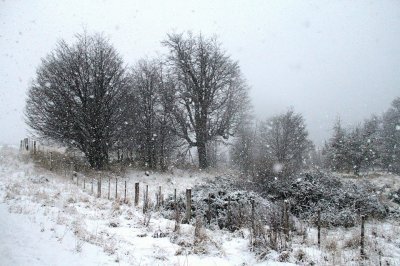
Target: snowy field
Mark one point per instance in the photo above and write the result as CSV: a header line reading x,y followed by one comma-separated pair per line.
x,y
48,220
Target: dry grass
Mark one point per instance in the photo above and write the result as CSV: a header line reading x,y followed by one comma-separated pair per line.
x,y
61,163
353,241
300,256
284,256
331,244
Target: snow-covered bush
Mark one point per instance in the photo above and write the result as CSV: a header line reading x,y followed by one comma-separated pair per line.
x,y
219,204
395,196
225,205
341,202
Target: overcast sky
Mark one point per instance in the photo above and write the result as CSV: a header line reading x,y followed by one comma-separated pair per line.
x,y
324,58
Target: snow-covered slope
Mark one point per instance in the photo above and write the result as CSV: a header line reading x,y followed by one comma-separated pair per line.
x,y
47,219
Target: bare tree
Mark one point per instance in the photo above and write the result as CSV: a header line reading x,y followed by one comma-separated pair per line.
x,y
78,97
152,92
243,149
211,95
284,144
146,82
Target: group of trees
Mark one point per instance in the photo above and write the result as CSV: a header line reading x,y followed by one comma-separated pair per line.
x,y
148,130
279,146
373,145
84,97
276,147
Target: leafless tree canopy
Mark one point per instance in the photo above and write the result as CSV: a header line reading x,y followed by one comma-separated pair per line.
x,y
152,91
284,143
77,97
284,140
83,97
211,95
279,146
195,96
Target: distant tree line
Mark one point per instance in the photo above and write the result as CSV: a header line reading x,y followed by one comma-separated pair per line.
x,y
279,146
85,97
374,145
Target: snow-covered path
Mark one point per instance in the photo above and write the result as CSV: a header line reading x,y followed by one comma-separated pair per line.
x,y
23,243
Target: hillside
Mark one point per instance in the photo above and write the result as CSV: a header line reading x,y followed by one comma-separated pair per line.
x,y
47,219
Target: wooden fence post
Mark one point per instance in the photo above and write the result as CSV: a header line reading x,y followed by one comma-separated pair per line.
x,y
51,161
157,202
177,213
188,204
109,187
34,147
116,188
252,214
125,192
286,220
159,197
146,199
136,194
99,187
319,228
84,183
175,195
229,213
92,185
162,199
209,209
362,252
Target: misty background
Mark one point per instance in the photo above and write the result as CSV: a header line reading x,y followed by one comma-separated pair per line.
x,y
324,58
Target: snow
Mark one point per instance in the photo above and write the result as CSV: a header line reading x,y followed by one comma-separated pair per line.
x,y
48,220
277,167
25,242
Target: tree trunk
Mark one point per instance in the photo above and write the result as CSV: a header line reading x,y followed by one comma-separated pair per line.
x,y
97,157
202,153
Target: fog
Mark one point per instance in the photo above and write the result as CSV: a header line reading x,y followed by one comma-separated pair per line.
x,y
326,59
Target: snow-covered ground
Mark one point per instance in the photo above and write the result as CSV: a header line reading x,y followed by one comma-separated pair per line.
x,y
33,240
47,219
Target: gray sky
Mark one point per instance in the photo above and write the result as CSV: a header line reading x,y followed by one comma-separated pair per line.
x,y
324,58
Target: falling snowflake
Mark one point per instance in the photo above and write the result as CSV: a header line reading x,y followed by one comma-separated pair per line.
x,y
277,167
